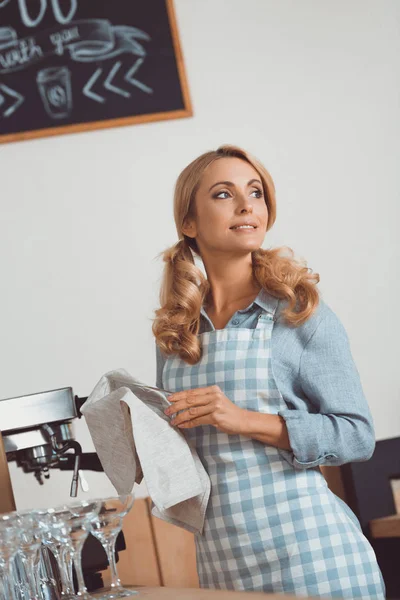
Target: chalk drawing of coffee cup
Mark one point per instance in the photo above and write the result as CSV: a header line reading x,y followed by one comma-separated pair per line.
x,y
55,89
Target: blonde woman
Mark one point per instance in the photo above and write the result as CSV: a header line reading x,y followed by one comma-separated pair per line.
x,y
266,390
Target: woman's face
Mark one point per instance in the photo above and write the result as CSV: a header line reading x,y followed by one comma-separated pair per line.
x,y
230,208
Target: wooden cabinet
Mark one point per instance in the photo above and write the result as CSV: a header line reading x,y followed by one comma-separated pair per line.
x,y
176,553
138,564
157,553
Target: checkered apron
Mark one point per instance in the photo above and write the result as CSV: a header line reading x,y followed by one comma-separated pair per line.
x,y
268,527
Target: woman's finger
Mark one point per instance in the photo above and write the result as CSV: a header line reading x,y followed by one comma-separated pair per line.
x,y
192,415
189,395
195,397
183,405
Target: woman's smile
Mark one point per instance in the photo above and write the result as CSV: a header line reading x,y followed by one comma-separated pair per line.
x,y
247,226
244,229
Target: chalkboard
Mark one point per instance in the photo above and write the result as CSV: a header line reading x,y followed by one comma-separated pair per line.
x,y
73,65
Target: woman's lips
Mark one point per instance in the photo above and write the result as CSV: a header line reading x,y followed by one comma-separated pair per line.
x,y
244,229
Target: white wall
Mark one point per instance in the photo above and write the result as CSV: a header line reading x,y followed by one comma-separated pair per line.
x,y
311,88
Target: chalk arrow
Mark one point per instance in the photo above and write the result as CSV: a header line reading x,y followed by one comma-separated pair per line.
x,y
110,86
113,88
130,79
13,95
87,90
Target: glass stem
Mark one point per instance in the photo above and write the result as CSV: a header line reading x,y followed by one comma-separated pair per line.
x,y
109,547
31,569
47,566
78,570
6,579
55,551
49,580
19,577
46,560
66,571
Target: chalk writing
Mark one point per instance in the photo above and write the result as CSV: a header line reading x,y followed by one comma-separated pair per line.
x,y
60,17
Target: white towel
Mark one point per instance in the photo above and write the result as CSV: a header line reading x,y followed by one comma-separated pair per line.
x,y
134,439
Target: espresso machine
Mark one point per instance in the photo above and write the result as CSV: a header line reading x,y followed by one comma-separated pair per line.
x,y
36,431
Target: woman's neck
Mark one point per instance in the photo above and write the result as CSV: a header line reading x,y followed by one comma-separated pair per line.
x,y
232,284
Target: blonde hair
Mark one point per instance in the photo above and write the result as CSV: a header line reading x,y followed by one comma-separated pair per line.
x,y
184,287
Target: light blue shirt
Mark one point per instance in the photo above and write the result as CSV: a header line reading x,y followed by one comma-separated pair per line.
x,y
327,416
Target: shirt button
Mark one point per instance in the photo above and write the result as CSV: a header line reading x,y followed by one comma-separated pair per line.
x,y
235,322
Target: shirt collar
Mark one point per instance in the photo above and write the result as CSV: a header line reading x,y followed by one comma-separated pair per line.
x,y
264,300
267,302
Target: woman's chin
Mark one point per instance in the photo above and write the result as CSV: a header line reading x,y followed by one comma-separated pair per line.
x,y
249,245
243,249
239,247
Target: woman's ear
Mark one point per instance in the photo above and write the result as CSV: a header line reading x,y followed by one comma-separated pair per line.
x,y
189,228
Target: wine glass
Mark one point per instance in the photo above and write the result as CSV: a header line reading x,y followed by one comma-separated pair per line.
x,y
66,530
106,527
48,578
79,522
46,584
8,548
29,542
55,537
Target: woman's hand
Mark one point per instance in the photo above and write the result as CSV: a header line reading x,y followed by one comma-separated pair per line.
x,y
205,406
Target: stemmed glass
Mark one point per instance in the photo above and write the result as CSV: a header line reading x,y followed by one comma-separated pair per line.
x,y
65,531
82,514
8,549
55,537
48,579
25,539
106,528
28,550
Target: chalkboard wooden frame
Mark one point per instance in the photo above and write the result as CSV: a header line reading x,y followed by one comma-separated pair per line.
x,y
187,111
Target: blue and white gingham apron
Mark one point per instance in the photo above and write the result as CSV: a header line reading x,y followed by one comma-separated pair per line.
x,y
268,527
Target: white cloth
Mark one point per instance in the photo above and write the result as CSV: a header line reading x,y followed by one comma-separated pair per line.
x,y
134,439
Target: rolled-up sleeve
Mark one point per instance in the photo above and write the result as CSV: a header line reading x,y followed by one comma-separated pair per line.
x,y
336,427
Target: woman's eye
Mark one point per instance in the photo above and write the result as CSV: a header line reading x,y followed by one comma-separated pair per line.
x,y
223,194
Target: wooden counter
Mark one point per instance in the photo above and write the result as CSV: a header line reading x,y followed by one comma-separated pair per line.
x,y
163,593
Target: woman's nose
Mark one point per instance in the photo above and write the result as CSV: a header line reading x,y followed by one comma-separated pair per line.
x,y
244,204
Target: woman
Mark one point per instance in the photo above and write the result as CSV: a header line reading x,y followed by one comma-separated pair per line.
x,y
266,390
